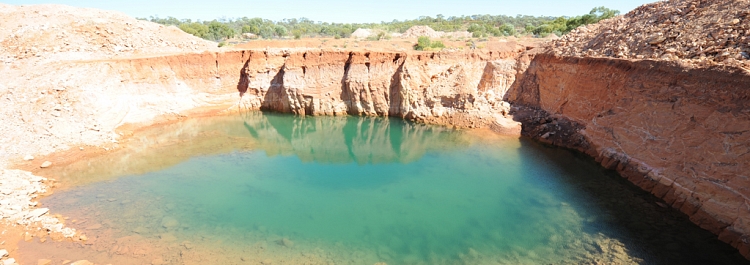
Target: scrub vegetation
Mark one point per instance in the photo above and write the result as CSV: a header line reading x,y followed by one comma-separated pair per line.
x,y
479,25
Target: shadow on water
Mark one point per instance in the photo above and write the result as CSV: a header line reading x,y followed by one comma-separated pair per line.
x,y
656,234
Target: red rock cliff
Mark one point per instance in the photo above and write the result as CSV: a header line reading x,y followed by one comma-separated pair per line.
x,y
683,134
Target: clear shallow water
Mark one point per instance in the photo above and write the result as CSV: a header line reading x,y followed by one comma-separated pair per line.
x,y
350,190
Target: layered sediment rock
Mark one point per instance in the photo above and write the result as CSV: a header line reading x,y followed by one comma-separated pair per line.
x,y
447,88
683,134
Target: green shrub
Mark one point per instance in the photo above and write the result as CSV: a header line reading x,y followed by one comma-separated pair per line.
x,y
437,45
425,44
380,36
422,43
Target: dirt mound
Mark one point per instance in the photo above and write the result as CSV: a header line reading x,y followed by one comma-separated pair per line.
x,y
82,33
361,33
419,31
697,32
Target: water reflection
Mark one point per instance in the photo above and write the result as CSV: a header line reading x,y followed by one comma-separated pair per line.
x,y
364,140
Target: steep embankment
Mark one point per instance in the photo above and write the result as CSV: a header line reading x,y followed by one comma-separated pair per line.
x,y
677,124
462,89
683,134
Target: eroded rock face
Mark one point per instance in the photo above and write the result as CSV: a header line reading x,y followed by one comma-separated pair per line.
x,y
683,134
425,86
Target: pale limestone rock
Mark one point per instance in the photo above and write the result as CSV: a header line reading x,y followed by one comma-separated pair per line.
x,y
46,164
37,212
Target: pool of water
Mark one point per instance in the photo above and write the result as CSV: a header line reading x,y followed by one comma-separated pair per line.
x,y
268,188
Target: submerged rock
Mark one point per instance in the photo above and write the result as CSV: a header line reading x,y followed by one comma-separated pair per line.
x,y
169,222
286,242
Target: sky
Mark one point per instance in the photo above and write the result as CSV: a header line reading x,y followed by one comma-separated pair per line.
x,y
341,11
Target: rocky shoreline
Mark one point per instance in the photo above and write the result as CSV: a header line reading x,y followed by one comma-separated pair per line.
x,y
18,189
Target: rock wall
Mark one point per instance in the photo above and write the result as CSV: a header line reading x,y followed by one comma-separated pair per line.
x,y
463,89
683,134
75,103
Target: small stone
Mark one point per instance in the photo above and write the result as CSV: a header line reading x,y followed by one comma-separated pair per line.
x,y
656,40
545,136
187,244
3,253
46,164
735,21
286,242
44,262
37,212
84,237
9,261
28,158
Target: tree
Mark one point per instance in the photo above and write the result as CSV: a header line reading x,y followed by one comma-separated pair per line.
x,y
280,30
218,31
478,25
249,29
197,29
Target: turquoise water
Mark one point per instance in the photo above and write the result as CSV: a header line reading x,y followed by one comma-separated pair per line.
x,y
352,190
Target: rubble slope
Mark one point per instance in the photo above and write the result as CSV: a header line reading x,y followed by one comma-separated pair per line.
x,y
697,32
